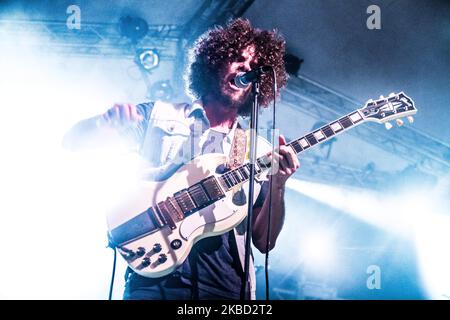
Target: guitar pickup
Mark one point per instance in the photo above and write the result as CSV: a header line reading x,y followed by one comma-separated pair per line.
x,y
212,188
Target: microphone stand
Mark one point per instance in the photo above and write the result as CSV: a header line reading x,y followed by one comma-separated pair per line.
x,y
252,160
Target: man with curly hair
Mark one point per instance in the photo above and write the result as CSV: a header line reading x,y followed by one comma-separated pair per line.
x,y
163,133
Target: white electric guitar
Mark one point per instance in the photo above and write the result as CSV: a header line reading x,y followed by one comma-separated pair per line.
x,y
155,228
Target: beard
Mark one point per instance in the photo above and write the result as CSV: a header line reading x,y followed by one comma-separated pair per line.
x,y
225,96
246,107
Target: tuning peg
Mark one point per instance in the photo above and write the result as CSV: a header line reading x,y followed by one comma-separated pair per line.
x,y
388,125
399,122
410,119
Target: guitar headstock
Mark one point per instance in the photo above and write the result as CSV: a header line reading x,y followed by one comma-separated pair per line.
x,y
393,107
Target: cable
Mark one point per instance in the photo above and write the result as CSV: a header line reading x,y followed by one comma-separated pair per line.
x,y
110,245
266,264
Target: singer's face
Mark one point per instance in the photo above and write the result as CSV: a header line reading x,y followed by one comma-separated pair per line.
x,y
237,97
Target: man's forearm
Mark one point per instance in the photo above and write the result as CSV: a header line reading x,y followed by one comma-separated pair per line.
x,y
261,219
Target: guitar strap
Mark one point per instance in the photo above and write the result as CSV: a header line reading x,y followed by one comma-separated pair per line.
x,y
238,154
238,148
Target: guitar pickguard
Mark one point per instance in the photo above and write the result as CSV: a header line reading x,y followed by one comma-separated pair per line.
x,y
205,220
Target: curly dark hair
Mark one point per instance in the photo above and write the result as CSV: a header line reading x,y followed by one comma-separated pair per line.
x,y
220,46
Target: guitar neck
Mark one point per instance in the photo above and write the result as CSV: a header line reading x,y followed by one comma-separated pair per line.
x,y
322,134
326,132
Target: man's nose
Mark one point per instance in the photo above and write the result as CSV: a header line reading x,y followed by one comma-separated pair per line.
x,y
247,65
244,66
241,66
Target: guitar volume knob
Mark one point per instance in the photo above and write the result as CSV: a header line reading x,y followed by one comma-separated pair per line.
x,y
156,247
146,262
140,251
130,255
162,258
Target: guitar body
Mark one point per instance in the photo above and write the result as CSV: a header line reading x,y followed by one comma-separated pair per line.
x,y
217,218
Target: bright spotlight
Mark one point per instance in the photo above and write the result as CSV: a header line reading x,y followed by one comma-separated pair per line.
x,y
147,58
317,249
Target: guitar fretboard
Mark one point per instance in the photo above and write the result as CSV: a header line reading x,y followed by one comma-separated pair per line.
x,y
241,174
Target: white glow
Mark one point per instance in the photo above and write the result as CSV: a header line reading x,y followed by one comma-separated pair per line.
x,y
317,250
432,242
432,238
52,212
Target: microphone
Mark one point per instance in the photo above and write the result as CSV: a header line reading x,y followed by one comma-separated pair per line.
x,y
244,79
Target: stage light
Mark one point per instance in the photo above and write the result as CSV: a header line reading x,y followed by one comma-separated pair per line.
x,y
317,249
133,28
161,90
147,58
